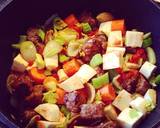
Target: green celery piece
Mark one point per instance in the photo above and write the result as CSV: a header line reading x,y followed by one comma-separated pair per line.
x,y
63,58
157,79
133,113
50,97
67,34
86,27
59,39
100,81
59,24
151,55
39,61
147,42
41,34
96,60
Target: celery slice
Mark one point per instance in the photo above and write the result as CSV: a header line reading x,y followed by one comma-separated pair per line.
x,y
86,27
147,42
157,79
100,81
63,58
50,97
41,34
96,60
151,55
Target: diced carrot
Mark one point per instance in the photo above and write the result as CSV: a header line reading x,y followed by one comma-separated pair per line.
x,y
107,93
71,20
37,75
60,95
71,67
118,25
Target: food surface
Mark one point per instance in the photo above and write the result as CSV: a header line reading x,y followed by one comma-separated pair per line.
x,y
83,72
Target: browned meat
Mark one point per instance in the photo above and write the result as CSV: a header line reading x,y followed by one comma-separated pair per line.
x,y
92,111
87,17
133,81
32,35
16,81
93,46
28,114
36,95
142,85
129,81
73,100
109,124
99,71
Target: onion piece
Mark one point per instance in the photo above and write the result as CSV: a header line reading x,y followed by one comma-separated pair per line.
x,y
28,51
49,111
91,92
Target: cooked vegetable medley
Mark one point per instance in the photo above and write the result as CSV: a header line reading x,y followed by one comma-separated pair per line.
x,y
83,72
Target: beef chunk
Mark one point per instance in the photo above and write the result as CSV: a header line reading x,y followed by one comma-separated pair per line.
x,y
133,81
92,111
109,124
142,85
73,100
28,114
33,35
95,45
36,95
19,82
86,17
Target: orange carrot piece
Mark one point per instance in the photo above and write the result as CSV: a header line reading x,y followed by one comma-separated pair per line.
x,y
37,75
107,93
71,67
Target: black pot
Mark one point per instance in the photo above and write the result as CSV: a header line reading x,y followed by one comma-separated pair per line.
x,y
21,14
